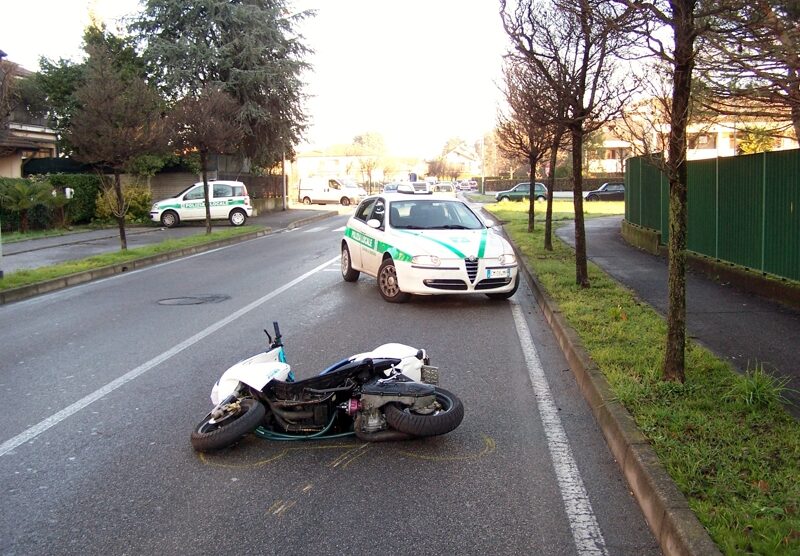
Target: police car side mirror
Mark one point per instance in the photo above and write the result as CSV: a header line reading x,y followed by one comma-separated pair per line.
x,y
374,223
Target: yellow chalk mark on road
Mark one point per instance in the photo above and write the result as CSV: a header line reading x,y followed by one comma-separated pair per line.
x,y
489,446
218,462
280,507
352,453
349,456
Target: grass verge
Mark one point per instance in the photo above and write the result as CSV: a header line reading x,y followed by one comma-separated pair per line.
x,y
725,438
26,277
13,237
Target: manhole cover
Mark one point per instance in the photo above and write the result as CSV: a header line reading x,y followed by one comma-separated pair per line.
x,y
194,299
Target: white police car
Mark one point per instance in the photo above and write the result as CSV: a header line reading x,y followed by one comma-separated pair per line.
x,y
426,244
229,200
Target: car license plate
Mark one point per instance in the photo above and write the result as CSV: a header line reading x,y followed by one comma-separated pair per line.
x,y
498,272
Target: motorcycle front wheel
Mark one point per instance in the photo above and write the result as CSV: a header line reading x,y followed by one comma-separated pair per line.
x,y
441,421
240,419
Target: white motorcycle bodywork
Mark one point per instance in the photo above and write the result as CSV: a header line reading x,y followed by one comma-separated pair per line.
x,y
258,370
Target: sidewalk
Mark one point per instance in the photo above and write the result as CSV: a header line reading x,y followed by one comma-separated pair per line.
x,y
743,329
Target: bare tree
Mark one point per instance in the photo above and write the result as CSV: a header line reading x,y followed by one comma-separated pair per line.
x,y
525,130
370,148
119,119
573,45
685,20
208,124
751,52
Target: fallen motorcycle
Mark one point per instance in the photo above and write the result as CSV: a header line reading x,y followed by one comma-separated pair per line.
x,y
389,393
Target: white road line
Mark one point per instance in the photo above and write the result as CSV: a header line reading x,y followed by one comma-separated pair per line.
x,y
53,420
317,229
585,530
343,228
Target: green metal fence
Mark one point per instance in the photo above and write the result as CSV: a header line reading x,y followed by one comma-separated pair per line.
x,y
744,209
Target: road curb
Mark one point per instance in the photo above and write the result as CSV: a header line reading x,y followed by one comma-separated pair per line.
x,y
675,526
25,292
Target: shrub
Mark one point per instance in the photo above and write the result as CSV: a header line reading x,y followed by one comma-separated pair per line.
x,y
137,198
8,218
85,188
27,198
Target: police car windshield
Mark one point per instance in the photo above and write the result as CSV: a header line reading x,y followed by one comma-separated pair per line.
x,y
419,214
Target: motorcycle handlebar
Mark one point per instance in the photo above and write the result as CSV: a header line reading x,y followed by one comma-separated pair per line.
x,y
277,331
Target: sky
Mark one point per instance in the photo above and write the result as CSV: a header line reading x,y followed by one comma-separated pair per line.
x,y
419,72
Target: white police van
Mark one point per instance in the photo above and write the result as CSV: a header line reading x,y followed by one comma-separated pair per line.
x,y
229,200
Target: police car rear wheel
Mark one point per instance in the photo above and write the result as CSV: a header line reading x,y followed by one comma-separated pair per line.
x,y
237,217
348,273
169,219
388,285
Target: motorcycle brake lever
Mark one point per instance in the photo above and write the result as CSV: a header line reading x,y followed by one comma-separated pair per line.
x,y
268,336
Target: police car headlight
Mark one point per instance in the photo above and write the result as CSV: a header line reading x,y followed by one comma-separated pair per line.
x,y
507,259
154,208
426,260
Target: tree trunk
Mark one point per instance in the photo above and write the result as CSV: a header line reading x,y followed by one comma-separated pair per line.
x,y
120,212
203,161
674,356
551,184
796,118
531,179
581,270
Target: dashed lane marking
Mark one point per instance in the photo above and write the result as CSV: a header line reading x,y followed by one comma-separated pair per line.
x,y
56,418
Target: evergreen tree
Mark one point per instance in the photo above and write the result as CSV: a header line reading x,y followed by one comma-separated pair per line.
x,y
249,48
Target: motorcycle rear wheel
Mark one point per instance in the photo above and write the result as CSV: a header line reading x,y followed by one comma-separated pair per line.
x,y
209,437
418,424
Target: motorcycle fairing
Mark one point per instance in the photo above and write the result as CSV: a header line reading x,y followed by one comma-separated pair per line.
x,y
255,372
410,365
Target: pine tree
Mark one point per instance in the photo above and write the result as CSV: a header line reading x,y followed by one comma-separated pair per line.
x,y
249,48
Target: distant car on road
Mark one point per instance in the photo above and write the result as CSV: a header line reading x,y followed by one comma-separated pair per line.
x,y
390,188
228,199
609,191
444,188
522,191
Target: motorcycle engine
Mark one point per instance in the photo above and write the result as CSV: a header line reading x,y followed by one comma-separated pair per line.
x,y
372,421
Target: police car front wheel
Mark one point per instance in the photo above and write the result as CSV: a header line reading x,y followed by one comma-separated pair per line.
x,y
170,219
388,285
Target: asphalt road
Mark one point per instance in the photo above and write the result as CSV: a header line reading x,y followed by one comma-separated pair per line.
x,y
44,251
103,383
